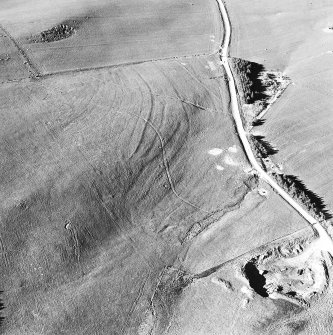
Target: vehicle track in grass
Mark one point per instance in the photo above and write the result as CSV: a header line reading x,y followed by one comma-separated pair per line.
x,y
165,161
126,64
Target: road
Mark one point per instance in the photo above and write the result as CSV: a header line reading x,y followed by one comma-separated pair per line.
x,y
224,57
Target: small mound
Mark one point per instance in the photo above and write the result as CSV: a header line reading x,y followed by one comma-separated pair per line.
x,y
57,33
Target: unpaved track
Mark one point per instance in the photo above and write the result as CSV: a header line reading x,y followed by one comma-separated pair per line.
x,y
111,66
27,61
323,235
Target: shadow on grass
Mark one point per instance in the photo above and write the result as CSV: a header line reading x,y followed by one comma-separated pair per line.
x,y
263,147
310,199
292,184
258,122
254,71
253,86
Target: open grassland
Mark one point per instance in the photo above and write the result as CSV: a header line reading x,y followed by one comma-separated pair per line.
x,y
259,220
108,33
102,176
294,38
11,64
211,294
124,190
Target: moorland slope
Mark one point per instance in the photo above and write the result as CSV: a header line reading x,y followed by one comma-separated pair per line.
x,y
121,169
103,176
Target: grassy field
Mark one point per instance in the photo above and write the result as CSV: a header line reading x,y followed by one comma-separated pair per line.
x,y
258,221
216,302
102,176
294,38
109,33
11,64
116,182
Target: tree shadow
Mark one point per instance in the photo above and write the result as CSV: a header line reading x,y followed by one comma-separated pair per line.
x,y
264,148
311,200
254,71
254,88
258,122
